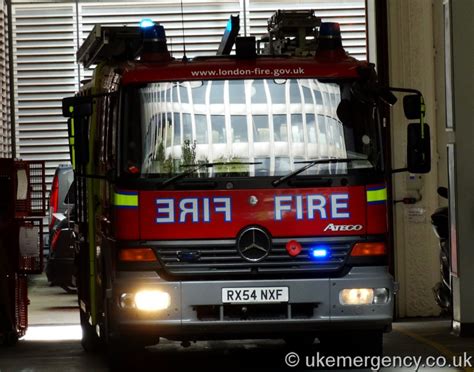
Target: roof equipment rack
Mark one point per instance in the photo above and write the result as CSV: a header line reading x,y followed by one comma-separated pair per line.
x,y
109,42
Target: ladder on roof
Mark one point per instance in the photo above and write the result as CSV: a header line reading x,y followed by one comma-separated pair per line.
x,y
110,42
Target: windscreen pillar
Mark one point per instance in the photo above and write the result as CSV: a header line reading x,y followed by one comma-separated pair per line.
x,y
460,128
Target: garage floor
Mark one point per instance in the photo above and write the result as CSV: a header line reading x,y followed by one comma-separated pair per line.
x,y
52,344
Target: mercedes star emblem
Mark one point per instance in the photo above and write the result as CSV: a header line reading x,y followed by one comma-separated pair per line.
x,y
254,244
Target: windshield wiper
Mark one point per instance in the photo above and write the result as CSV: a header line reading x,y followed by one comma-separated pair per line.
x,y
311,163
196,167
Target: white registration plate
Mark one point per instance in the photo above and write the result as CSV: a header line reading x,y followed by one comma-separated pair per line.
x,y
254,295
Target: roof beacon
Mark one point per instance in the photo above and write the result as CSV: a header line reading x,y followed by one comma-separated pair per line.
x,y
154,42
330,36
330,43
146,23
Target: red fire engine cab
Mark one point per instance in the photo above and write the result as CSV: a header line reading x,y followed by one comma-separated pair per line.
x,y
234,196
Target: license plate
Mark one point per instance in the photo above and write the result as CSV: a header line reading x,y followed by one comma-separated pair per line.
x,y
254,295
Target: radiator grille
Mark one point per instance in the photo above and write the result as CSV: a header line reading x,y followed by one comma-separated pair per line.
x,y
222,257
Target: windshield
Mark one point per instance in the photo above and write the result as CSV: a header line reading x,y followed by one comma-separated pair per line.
x,y
264,127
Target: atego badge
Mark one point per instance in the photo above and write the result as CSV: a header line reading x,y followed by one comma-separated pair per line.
x,y
333,227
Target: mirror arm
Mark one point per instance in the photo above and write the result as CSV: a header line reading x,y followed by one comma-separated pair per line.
x,y
405,90
399,170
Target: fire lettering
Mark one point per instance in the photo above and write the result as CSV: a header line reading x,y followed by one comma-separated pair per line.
x,y
336,206
169,210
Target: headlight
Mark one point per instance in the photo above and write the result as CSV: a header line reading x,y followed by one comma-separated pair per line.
x,y
152,300
381,295
363,296
356,296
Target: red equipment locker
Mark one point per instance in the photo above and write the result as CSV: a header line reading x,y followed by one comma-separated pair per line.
x,y
22,196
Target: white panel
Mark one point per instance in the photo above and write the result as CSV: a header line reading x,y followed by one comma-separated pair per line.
x,y
44,46
5,123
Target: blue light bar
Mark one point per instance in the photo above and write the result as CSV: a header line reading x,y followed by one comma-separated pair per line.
x,y
319,252
146,23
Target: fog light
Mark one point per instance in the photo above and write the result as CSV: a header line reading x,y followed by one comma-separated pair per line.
x,y
356,296
126,301
381,295
152,300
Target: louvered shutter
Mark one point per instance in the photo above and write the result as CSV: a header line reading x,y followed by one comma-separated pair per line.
x,y
5,124
44,45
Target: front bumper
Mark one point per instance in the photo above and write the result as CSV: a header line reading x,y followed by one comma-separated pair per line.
x,y
313,307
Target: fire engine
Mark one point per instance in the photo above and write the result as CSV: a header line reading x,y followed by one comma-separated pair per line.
x,y
236,195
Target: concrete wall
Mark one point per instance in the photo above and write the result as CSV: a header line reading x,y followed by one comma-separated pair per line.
x,y
413,41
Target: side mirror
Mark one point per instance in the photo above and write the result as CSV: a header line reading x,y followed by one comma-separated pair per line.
x,y
78,130
413,106
78,109
77,106
418,148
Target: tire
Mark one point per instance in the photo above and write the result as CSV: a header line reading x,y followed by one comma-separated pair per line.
x,y
358,343
90,341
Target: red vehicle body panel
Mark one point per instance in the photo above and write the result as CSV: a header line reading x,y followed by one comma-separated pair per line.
x,y
282,212
259,68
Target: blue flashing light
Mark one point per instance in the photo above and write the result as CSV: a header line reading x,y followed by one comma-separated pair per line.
x,y
229,25
319,253
146,23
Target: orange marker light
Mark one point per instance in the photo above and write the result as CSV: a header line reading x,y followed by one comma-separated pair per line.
x,y
369,249
137,255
